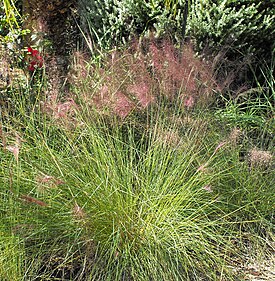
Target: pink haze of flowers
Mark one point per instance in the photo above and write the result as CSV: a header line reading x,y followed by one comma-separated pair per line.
x,y
60,110
142,92
133,79
123,105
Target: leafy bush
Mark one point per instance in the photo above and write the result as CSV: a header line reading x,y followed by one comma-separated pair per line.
x,y
246,27
114,22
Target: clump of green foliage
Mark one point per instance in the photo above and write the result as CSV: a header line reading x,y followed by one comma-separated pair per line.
x,y
246,27
114,22
87,195
11,31
133,176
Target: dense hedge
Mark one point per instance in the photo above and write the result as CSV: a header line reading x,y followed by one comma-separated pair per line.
x,y
245,27
112,22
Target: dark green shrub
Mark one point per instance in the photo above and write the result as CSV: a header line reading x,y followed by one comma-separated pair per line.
x,y
112,22
246,27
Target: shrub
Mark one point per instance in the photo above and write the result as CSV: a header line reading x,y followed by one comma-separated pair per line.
x,y
246,28
113,22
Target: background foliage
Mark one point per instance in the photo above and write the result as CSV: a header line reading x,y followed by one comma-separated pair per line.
x,y
246,28
112,21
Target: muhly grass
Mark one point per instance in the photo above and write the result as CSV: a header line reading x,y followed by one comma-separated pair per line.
x,y
105,203
96,204
115,182
96,197
132,79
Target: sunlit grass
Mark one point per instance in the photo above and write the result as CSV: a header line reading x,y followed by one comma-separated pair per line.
x,y
165,191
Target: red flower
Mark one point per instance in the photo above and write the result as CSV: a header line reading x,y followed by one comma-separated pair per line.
x,y
32,65
36,59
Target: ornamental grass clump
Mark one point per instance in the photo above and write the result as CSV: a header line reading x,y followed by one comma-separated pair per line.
x,y
100,204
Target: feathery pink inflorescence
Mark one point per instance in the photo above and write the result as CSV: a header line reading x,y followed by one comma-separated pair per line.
x,y
123,105
136,77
